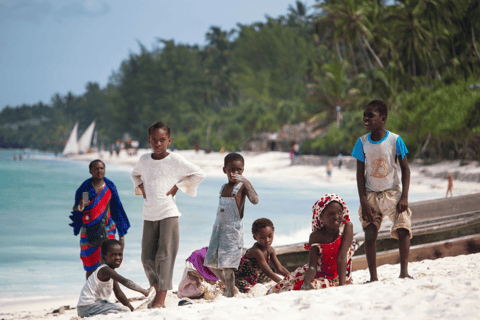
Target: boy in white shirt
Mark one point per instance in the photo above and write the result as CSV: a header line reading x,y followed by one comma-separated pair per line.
x,y
379,186
158,176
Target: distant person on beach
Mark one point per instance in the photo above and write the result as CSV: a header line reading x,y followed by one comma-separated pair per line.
x,y
340,160
225,249
330,249
157,177
329,169
255,264
104,206
98,288
450,185
379,185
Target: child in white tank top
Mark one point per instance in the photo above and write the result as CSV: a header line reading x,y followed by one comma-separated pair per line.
x,y
99,286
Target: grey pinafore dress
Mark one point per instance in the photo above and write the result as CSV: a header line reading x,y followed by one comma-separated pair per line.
x,y
226,242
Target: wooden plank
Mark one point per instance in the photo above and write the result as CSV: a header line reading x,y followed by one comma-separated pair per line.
x,y
432,251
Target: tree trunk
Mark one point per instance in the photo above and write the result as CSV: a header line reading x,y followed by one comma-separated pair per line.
x,y
473,41
362,56
437,74
424,147
372,52
354,63
338,51
437,45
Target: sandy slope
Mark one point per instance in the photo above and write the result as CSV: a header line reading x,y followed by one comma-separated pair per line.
x,y
446,288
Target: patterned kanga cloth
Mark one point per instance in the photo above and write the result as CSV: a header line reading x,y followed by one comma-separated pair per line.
x,y
248,273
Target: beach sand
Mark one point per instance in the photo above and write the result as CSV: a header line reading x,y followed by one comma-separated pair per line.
x,y
446,288
276,166
443,288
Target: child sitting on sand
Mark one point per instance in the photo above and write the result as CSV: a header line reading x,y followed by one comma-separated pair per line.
x,y
98,288
225,248
330,247
256,260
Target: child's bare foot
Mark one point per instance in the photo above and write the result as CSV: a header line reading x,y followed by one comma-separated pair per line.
x,y
151,305
229,294
158,301
370,281
407,276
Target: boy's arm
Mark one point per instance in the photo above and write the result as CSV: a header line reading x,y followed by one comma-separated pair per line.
x,y
276,263
121,296
367,209
107,273
249,190
347,239
402,204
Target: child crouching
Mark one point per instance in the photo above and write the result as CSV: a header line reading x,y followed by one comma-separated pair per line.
x,y
256,261
100,284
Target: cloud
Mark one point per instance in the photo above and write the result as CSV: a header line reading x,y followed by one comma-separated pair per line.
x,y
37,10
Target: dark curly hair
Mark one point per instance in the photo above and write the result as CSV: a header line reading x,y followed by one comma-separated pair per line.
x,y
109,243
93,162
158,125
262,223
233,157
380,106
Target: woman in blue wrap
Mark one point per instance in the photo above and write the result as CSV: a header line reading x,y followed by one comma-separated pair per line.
x,y
104,206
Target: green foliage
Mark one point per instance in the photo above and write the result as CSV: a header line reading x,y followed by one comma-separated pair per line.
x,y
420,57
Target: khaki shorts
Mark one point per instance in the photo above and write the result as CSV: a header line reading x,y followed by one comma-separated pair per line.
x,y
385,204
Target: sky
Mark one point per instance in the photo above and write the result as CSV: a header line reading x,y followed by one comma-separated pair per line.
x,y
58,46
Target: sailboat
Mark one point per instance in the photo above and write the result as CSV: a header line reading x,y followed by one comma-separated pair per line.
x,y
86,139
71,147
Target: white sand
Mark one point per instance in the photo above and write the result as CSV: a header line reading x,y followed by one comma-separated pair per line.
x,y
446,288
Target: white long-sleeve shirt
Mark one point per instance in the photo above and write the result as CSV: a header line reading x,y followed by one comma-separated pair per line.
x,y
158,177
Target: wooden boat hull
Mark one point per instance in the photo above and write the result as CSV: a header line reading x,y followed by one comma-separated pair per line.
x,y
441,228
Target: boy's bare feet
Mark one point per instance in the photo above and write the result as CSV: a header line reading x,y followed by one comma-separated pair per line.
x,y
229,294
159,300
407,276
370,281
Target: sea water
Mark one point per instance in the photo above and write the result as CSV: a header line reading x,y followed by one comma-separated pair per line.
x,y
40,256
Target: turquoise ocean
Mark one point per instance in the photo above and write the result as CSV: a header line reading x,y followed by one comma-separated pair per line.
x,y
40,256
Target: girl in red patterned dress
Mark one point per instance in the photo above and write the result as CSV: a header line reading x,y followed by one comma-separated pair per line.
x,y
330,247
256,261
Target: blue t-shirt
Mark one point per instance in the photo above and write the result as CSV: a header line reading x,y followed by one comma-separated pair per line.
x,y
357,152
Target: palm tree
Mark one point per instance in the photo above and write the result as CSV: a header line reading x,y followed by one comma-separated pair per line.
x,y
350,24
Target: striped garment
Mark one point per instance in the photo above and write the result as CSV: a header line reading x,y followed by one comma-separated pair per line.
x,y
106,202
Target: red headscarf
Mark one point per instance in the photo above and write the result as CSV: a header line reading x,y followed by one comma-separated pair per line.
x,y
321,204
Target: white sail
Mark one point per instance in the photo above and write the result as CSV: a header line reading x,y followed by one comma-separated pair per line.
x,y
86,139
71,147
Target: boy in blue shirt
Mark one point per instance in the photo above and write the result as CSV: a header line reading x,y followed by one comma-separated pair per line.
x,y
379,185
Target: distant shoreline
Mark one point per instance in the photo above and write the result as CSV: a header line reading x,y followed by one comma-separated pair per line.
x,y
277,166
